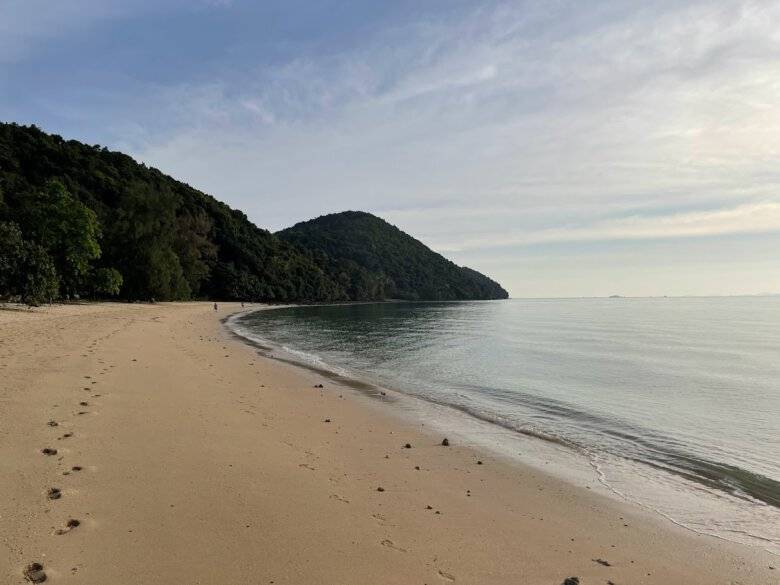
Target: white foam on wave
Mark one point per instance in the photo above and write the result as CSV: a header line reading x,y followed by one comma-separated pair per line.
x,y
275,350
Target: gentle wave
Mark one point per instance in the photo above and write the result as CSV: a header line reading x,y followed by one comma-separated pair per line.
x,y
642,369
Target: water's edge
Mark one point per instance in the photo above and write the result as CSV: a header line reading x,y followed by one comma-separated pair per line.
x,y
573,464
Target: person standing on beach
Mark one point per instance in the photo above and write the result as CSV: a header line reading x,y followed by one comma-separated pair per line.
x,y
215,306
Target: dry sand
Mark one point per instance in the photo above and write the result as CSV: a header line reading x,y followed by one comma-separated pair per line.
x,y
205,463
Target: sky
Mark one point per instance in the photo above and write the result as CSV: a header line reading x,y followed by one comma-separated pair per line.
x,y
565,148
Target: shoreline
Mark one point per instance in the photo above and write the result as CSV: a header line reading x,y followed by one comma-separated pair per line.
x,y
572,463
202,461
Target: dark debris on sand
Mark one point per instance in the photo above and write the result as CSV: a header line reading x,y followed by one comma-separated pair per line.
x,y
34,573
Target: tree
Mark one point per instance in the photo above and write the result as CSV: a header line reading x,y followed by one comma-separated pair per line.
x,y
68,230
26,270
38,276
196,252
11,253
106,281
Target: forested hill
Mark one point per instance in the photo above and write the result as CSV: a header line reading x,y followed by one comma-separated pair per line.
x,y
82,221
385,262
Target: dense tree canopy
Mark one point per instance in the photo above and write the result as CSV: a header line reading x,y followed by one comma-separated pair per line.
x,y
79,220
374,259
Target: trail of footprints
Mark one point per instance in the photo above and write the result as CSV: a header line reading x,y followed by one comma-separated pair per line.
x,y
35,572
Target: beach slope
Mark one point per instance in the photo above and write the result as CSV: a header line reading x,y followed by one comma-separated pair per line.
x,y
177,454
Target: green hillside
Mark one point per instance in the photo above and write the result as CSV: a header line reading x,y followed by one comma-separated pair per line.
x,y
374,259
82,221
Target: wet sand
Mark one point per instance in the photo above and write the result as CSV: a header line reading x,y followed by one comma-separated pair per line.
x,y
178,454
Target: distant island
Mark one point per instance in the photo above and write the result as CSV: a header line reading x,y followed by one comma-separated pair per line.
x,y
82,221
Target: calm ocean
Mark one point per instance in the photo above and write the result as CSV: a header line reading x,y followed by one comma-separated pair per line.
x,y
674,403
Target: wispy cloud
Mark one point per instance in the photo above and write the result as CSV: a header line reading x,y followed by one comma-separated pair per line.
x,y
489,124
744,219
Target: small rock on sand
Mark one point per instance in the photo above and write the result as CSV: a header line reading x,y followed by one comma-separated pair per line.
x,y
380,489
571,581
445,443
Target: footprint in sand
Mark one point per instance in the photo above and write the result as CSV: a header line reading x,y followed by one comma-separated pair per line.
x,y
54,493
49,451
382,521
390,544
447,576
34,573
70,525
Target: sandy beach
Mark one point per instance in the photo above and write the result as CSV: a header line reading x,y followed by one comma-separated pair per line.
x,y
178,454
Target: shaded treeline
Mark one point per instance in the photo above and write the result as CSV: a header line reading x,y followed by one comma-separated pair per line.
x,y
82,221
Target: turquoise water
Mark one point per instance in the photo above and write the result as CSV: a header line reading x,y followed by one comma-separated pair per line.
x,y
674,402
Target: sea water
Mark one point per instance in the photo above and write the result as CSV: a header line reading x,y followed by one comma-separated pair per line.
x,y
674,403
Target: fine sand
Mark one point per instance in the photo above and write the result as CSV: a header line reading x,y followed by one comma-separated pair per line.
x,y
183,456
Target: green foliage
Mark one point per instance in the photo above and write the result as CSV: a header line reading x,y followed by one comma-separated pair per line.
x,y
110,226
66,228
373,259
141,240
106,281
196,252
26,270
38,277
11,252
